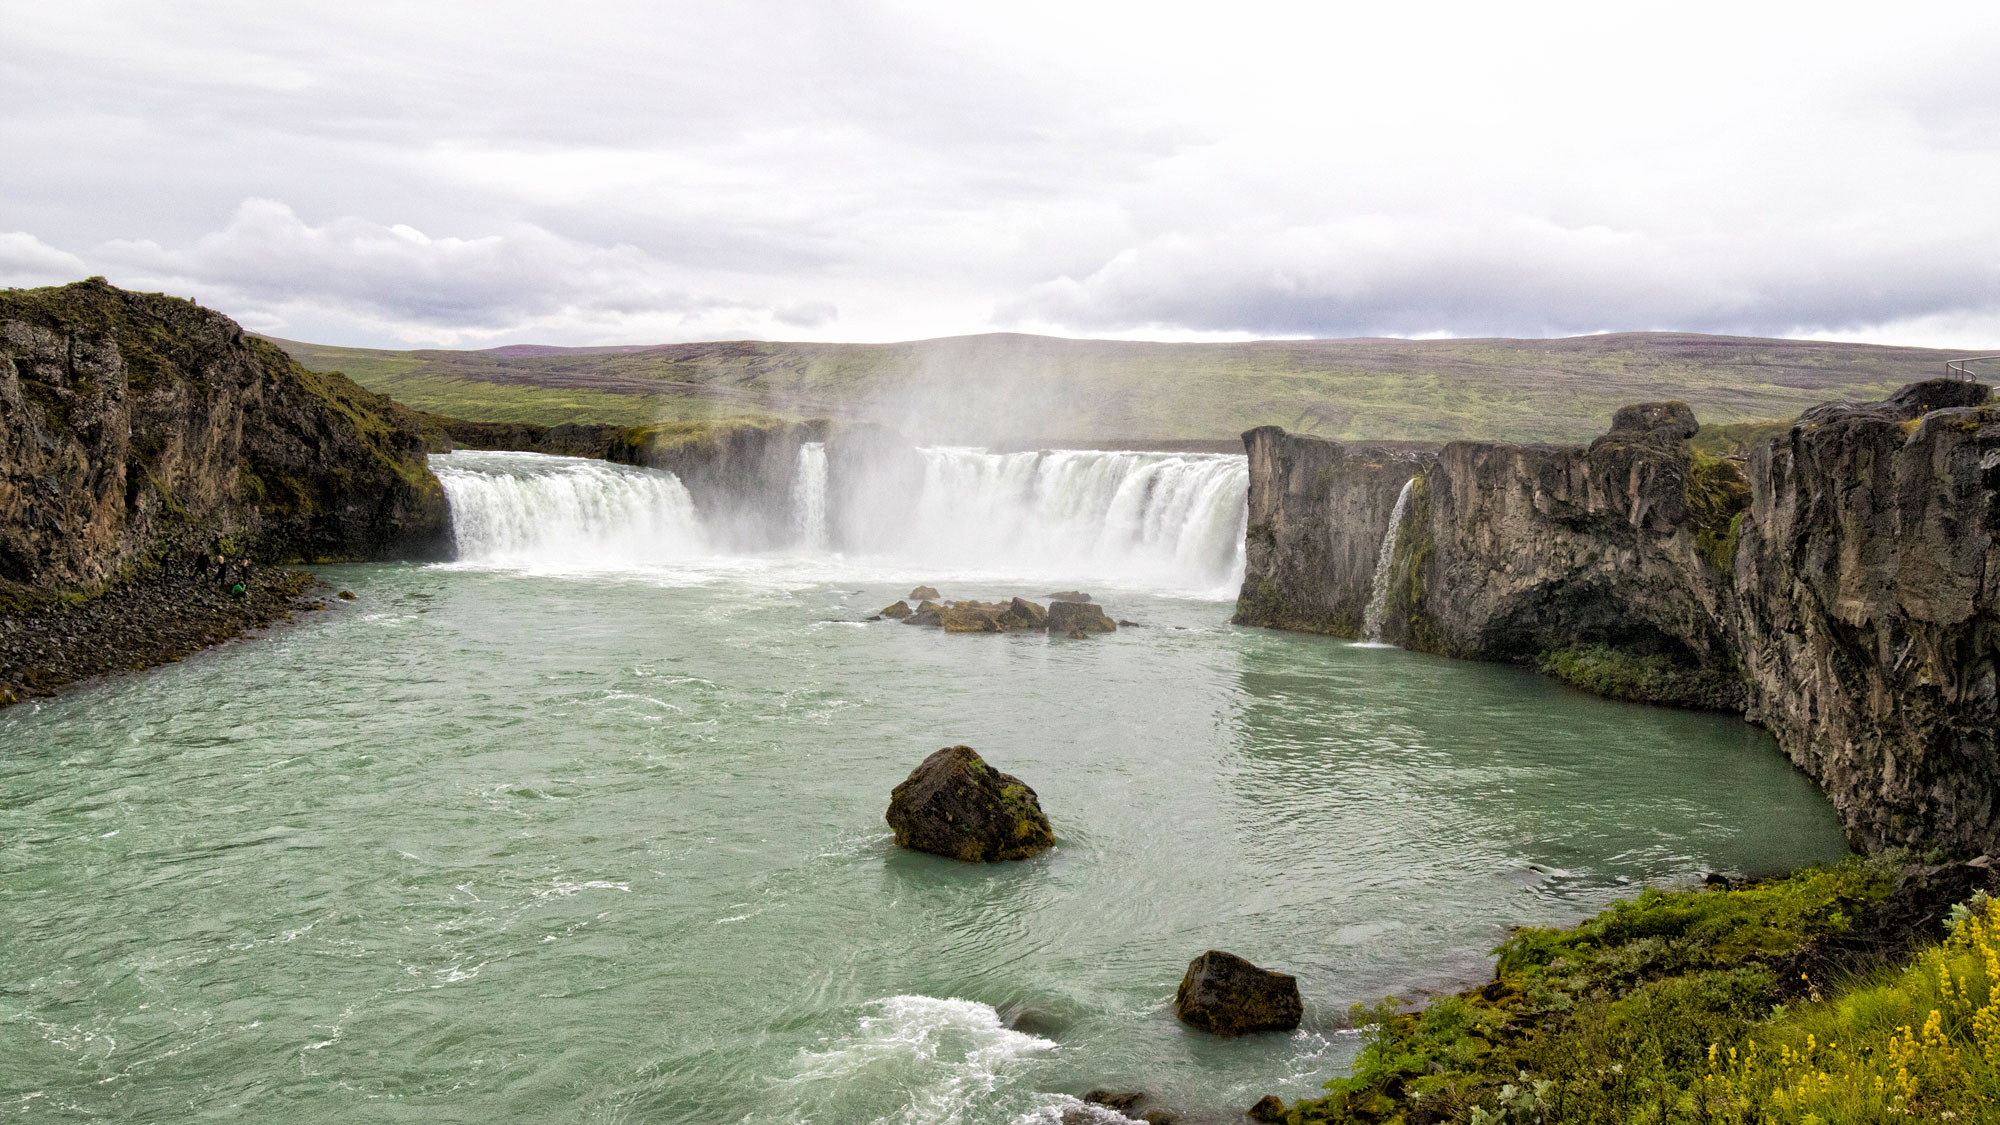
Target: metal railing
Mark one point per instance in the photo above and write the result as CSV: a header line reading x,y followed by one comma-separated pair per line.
x,y
1959,368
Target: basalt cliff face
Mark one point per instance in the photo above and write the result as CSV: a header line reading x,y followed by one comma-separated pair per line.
x,y
1840,587
144,438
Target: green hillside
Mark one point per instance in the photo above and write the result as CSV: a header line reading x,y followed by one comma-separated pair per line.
x,y
996,388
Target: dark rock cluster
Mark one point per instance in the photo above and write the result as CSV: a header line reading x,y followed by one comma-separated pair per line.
x,y
1069,615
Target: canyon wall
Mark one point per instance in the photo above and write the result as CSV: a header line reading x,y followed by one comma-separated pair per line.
x,y
155,459
1839,588
136,427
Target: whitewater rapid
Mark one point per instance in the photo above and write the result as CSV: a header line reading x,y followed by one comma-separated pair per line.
x,y
1157,521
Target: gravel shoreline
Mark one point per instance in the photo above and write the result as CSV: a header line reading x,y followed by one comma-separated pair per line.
x,y
155,617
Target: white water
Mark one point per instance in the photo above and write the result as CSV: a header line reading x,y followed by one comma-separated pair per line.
x,y
1155,521
1159,520
533,511
809,496
943,1060
1378,592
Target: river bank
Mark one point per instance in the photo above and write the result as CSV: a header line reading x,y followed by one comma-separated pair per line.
x,y
1866,991
163,613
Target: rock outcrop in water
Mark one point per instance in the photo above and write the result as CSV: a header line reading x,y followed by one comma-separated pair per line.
x,y
1079,617
1840,587
954,804
1017,615
1223,994
141,439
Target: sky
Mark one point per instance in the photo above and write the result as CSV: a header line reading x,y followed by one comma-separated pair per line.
x,y
475,174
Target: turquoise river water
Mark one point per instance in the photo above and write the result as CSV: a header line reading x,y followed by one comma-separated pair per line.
x,y
580,830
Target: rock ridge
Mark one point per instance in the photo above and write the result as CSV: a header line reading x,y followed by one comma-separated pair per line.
x,y
1839,585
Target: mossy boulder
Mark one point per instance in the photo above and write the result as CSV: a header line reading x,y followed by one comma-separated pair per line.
x,y
924,593
899,611
1068,596
970,617
927,613
954,804
1071,617
1022,615
1223,994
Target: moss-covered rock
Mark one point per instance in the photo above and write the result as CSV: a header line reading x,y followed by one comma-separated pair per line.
x,y
1075,617
954,804
1223,994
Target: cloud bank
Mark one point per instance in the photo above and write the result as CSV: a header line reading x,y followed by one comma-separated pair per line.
x,y
475,174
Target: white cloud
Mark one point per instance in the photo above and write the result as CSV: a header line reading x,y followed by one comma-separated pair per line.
x,y
26,260
605,172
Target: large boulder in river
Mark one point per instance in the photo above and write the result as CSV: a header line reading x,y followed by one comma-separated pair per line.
x,y
954,804
1072,617
926,613
924,593
898,611
1223,994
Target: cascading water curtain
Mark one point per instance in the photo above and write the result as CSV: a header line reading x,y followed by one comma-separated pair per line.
x,y
1171,520
530,510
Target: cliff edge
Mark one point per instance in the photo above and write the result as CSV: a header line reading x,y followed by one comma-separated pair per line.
x,y
1839,585
146,442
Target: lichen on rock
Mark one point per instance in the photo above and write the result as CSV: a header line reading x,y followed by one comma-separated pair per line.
x,y
954,804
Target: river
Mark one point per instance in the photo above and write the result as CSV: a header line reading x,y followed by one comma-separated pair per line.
x,y
587,826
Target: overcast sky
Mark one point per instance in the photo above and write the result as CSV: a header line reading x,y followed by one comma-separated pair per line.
x,y
479,173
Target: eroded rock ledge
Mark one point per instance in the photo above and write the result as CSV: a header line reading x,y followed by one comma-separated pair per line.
x,y
1838,586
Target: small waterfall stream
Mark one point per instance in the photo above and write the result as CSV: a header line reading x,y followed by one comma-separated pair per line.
x,y
809,496
1378,593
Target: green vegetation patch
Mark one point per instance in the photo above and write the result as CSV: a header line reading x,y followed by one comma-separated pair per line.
x,y
1617,674
1003,387
1717,496
1636,1015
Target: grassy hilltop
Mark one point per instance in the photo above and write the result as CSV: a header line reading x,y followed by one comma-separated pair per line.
x,y
1009,387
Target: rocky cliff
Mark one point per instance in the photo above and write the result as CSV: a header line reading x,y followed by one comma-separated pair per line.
x,y
1840,587
1868,609
140,432
1318,510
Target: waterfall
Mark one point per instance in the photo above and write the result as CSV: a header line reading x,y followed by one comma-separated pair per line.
x,y
809,496
1171,520
1167,521
533,510
1378,593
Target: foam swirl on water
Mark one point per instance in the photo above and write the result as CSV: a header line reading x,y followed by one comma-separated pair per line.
x,y
911,1060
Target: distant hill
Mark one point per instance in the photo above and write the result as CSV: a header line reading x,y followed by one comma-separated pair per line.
x,y
1005,388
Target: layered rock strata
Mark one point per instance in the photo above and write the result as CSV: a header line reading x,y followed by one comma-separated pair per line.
x,y
1839,587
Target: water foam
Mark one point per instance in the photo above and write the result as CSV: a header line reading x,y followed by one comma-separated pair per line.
x,y
534,511
913,1060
